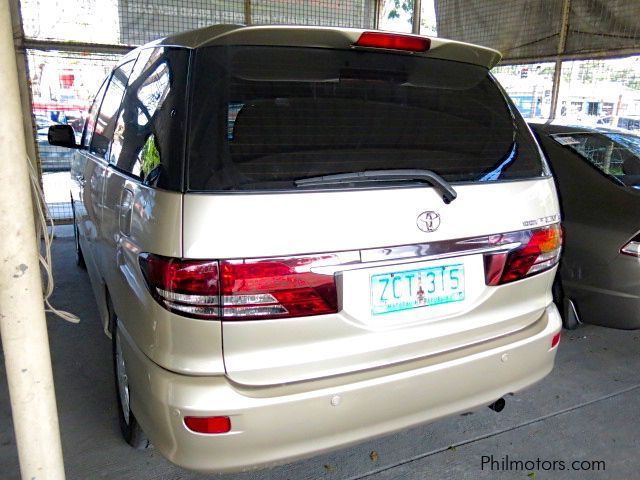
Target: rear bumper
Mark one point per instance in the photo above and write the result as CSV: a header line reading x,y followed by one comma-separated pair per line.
x,y
273,425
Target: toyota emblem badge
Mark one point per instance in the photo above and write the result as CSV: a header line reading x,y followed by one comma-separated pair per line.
x,y
428,221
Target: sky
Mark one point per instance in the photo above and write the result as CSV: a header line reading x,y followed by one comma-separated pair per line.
x,y
403,24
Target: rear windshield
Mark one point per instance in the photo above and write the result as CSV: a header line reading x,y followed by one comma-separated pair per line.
x,y
264,117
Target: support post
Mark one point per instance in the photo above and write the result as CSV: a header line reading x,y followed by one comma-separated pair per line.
x,y
23,325
247,12
557,72
417,17
24,83
618,105
376,14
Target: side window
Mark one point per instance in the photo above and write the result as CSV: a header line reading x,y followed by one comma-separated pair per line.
x,y
90,122
105,123
147,138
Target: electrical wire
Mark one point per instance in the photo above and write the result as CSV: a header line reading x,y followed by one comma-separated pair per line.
x,y
45,258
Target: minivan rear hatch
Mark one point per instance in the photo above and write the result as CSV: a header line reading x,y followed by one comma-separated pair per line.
x,y
272,126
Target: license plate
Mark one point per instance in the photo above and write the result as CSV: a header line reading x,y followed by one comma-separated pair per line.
x,y
423,287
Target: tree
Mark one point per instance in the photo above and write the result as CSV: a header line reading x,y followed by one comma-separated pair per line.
x,y
405,5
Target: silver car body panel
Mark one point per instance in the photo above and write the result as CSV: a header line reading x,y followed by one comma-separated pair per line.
x,y
289,350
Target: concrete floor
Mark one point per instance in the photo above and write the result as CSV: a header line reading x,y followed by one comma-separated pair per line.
x,y
587,409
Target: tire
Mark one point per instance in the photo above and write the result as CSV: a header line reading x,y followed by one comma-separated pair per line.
x,y
79,255
129,427
564,304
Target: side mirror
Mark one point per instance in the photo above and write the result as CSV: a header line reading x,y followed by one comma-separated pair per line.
x,y
62,136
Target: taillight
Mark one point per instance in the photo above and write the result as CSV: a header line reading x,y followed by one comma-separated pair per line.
x,y
273,288
632,247
242,289
394,41
188,287
539,251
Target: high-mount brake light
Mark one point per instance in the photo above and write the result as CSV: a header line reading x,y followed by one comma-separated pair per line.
x,y
394,41
241,289
539,251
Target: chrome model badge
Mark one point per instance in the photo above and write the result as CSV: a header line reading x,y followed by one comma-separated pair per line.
x,y
428,221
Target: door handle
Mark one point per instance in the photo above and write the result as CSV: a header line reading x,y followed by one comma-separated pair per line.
x,y
126,205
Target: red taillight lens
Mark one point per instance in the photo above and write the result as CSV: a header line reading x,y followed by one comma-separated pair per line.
x,y
274,288
188,287
555,340
394,41
209,425
241,289
540,252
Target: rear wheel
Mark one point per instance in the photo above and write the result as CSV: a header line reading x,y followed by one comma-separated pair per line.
x,y
131,430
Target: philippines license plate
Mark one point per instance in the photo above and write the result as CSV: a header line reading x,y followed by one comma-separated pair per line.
x,y
423,287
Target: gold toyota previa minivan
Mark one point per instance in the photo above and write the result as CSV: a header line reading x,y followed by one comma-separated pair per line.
x,y
300,238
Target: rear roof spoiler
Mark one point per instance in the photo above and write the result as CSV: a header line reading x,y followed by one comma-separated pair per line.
x,y
320,37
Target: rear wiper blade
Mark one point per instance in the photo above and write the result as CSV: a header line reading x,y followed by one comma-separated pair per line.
x,y
432,178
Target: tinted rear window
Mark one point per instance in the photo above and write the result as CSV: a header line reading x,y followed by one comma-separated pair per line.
x,y
263,117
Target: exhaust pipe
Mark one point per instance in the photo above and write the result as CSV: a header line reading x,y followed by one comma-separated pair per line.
x,y
498,405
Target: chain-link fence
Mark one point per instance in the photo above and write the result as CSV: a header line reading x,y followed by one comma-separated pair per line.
x,y
65,38
540,30
62,85
593,92
529,86
600,91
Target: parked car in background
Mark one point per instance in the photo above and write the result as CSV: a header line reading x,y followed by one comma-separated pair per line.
x,y
598,176
631,122
298,239
52,158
